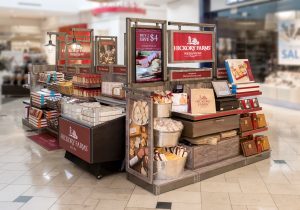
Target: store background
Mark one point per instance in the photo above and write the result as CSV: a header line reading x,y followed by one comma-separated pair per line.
x,y
246,29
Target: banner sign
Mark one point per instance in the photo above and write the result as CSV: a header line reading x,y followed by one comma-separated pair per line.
x,y
190,74
103,68
120,70
222,73
148,55
75,139
191,46
289,42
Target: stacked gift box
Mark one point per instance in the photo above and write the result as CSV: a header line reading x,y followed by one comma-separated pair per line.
x,y
36,117
39,98
51,76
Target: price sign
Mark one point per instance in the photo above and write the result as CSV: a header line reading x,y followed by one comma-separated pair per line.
x,y
148,57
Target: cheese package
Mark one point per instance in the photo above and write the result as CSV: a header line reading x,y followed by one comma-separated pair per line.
x,y
179,99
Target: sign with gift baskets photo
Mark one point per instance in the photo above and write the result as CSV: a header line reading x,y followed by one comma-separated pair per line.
x,y
148,55
191,46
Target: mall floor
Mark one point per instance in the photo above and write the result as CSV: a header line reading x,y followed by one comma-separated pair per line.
x,y
34,179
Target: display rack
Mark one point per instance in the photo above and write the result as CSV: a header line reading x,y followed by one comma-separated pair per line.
x,y
223,157
192,117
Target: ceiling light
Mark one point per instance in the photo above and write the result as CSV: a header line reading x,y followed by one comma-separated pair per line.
x,y
75,45
50,46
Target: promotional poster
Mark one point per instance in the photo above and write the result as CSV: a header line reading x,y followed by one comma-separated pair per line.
x,y
107,52
148,55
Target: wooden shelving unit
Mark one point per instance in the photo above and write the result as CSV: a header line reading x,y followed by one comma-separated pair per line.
x,y
247,133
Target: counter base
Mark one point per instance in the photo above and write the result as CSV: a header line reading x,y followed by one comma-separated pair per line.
x,y
97,169
194,176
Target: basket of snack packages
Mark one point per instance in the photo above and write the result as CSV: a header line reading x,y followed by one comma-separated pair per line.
x,y
166,132
169,162
162,103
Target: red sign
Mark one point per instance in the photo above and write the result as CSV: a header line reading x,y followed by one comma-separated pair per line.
x,y
221,73
190,75
102,68
191,47
71,69
120,70
75,139
148,57
84,70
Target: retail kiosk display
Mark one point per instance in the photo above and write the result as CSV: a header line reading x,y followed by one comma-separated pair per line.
x,y
175,126
184,125
64,101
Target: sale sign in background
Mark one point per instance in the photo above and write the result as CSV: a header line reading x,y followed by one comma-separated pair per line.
x,y
191,47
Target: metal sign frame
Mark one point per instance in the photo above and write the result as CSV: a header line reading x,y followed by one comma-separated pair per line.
x,y
98,40
138,96
201,28
131,25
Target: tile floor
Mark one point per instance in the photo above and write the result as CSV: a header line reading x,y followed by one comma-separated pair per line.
x,y
34,179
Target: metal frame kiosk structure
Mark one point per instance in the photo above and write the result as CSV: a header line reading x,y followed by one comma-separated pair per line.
x,y
140,165
146,51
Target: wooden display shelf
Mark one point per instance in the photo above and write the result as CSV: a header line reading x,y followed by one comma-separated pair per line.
x,y
244,111
243,95
247,133
111,101
194,117
84,98
194,176
86,85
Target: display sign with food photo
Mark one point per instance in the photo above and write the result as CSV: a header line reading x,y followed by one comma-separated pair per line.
x,y
191,46
139,151
148,55
239,71
107,50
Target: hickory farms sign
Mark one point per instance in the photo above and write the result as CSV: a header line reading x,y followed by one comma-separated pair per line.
x,y
221,73
84,70
75,139
191,46
190,74
104,68
120,70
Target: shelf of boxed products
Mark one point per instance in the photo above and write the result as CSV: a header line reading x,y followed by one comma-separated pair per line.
x,y
247,133
248,94
193,117
111,101
84,98
81,85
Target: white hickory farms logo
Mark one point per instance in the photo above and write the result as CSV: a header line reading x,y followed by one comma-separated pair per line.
x,y
202,101
72,133
192,44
